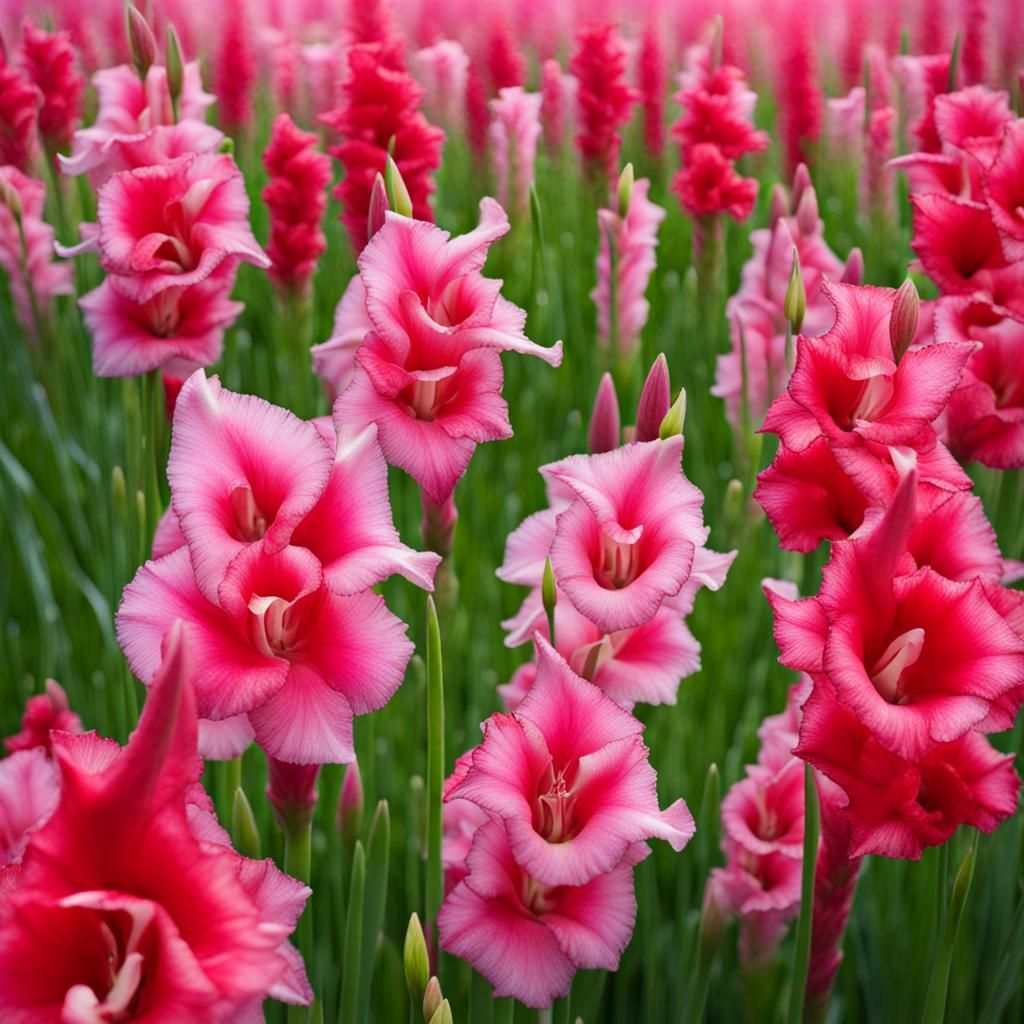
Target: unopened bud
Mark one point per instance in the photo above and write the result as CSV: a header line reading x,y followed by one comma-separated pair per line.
x,y
778,207
432,999
9,197
227,146
244,833
655,400
443,1014
291,790
801,182
378,206
175,66
415,959
733,505
853,272
399,199
350,806
675,418
906,309
807,211
119,487
795,305
603,434
141,40
625,189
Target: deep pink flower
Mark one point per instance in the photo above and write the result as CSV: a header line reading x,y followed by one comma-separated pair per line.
x,y
130,903
515,129
429,375
553,106
800,95
526,938
28,263
19,104
43,713
709,184
635,238
334,360
506,66
652,78
296,196
763,813
916,658
477,116
1004,190
48,59
236,70
29,790
380,106
847,387
568,775
604,97
128,110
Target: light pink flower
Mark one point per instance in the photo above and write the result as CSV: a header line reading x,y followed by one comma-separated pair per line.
x,y
635,238
130,896
128,110
29,267
442,70
568,775
430,375
29,789
515,129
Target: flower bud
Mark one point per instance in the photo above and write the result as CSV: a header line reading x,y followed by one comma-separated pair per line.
x,y
175,66
795,305
438,525
9,197
603,434
141,40
853,272
291,790
548,592
733,506
399,199
378,206
675,418
443,1014
119,487
432,999
655,399
778,207
416,960
801,182
350,806
244,833
807,211
625,189
906,308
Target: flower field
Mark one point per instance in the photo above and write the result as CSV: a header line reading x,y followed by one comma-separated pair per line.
x,y
511,513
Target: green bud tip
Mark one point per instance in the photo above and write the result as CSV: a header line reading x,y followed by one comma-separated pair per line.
x,y
141,40
416,961
675,418
625,189
398,195
906,309
432,999
795,305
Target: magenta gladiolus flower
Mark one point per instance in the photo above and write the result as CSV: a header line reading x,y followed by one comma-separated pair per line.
x,y
129,903
567,774
44,713
29,789
48,59
429,374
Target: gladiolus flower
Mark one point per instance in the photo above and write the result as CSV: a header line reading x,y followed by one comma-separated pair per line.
x,y
49,61
44,713
515,129
553,104
652,79
19,104
443,70
296,196
130,901
334,360
506,66
235,67
29,790
429,374
709,184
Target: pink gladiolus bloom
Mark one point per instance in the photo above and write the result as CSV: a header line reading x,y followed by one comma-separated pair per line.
x,y
429,375
652,80
130,903
526,938
236,70
917,659
1004,191
567,773
283,539
334,360
635,237
553,104
763,813
48,59
515,129
128,110
29,790
296,196
33,274
443,70
847,388
800,95
19,104
709,184
44,712
506,65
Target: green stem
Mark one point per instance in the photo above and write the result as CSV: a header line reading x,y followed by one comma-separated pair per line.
x,y
298,838
152,445
435,764
504,1011
562,1011
802,953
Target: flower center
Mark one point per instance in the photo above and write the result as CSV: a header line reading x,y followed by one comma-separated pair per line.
x,y
446,309
537,898
887,674
276,625
875,396
554,812
250,522
620,563
423,399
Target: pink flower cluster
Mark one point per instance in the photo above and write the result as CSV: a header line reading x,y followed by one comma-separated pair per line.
x,y
277,531
716,128
914,648
514,132
626,540
555,807
120,895
754,373
969,239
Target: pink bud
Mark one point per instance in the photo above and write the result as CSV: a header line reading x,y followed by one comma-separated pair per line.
x,y
603,434
801,182
906,309
853,272
141,40
431,999
807,211
655,399
350,805
291,790
378,206
779,205
438,525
